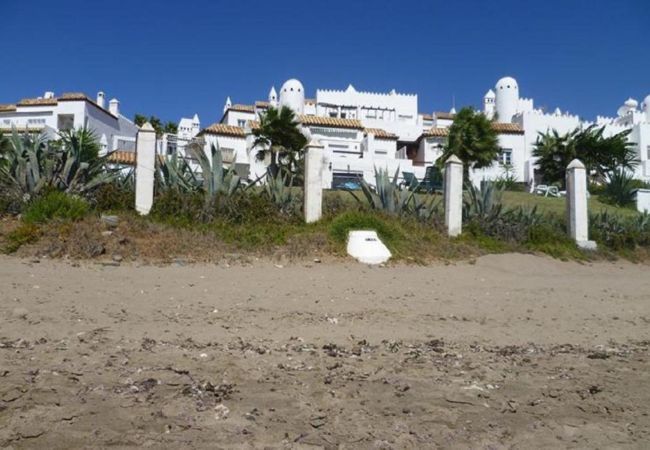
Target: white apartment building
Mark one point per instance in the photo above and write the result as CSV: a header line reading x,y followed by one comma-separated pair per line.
x,y
50,114
360,131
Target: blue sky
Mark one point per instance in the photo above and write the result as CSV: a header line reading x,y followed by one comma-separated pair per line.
x,y
173,59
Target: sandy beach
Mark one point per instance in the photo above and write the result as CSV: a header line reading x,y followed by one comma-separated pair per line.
x,y
510,351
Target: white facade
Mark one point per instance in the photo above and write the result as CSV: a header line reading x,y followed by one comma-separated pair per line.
x,y
363,130
51,114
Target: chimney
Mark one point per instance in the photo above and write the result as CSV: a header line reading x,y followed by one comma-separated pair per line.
x,y
48,95
114,107
101,99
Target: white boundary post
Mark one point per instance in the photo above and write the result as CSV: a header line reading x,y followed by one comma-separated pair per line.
x,y
454,195
314,167
145,149
576,204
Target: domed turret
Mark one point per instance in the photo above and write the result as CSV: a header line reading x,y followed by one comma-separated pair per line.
x,y
631,104
646,108
507,99
488,103
292,94
273,97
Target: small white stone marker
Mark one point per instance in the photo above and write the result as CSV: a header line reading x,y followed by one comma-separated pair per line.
x,y
643,200
145,148
366,247
576,205
454,195
314,165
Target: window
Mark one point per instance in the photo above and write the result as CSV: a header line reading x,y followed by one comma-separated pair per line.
x,y
228,154
371,114
333,114
505,157
36,121
65,122
343,115
648,153
241,123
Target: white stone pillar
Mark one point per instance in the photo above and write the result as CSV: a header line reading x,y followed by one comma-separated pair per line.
x,y
314,168
145,149
454,196
576,205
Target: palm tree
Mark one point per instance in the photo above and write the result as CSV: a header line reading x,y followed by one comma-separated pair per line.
x,y
602,156
279,138
472,139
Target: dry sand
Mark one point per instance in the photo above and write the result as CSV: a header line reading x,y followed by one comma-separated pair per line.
x,y
513,351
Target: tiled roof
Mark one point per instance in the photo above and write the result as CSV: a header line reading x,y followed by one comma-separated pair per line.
x,y
20,130
38,102
427,116
127,157
444,115
73,96
507,128
436,132
123,157
242,108
381,134
333,122
66,96
500,128
224,130
7,108
310,101
262,105
253,124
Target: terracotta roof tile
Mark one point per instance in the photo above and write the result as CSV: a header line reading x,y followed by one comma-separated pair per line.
x,y
333,122
427,116
436,132
37,102
262,105
242,108
381,133
221,129
122,157
4,108
500,128
253,124
444,115
73,96
310,101
127,157
507,128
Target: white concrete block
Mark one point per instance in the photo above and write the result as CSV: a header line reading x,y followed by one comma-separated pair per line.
x,y
576,204
314,171
366,247
643,200
146,165
454,196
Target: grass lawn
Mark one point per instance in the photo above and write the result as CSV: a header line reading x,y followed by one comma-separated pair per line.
x,y
557,205
511,199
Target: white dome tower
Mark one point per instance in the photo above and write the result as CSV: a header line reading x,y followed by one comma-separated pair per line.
x,y
292,94
646,108
273,97
507,99
488,104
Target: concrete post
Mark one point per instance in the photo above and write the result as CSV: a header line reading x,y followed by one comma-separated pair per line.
x,y
454,196
145,149
314,168
576,205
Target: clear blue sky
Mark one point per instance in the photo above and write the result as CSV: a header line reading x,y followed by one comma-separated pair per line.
x,y
173,59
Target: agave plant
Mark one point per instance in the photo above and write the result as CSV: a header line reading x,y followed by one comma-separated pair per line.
x,y
215,180
620,189
278,190
175,174
483,202
32,165
388,197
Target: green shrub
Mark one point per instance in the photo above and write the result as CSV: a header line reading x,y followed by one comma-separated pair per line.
x,y
55,205
620,190
24,234
113,197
